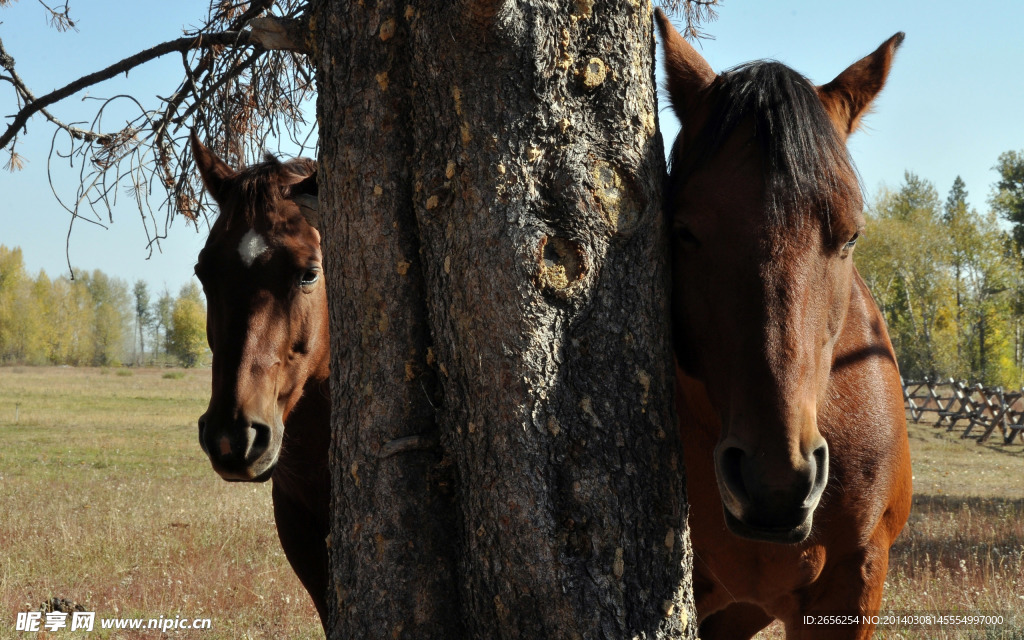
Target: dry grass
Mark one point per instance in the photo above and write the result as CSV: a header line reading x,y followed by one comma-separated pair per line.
x,y
963,547
108,501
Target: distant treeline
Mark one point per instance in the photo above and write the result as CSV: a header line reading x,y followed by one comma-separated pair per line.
x,y
949,279
94,319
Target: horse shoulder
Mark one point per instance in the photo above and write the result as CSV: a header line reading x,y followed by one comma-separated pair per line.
x,y
864,366
864,418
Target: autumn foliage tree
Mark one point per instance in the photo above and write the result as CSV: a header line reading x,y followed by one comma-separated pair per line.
x,y
86,321
1008,195
187,334
948,282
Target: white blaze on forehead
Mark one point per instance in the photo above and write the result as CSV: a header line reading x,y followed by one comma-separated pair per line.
x,y
253,245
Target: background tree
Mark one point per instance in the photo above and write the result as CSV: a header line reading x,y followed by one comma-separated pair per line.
x,y
74,315
111,310
43,293
186,337
143,316
87,321
903,261
12,323
1007,200
949,285
988,276
982,276
162,320
955,216
1008,194
1015,307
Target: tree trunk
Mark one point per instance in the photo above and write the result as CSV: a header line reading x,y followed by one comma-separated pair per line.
x,y
982,365
505,461
959,317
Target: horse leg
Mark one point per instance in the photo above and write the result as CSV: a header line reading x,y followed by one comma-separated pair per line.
x,y
740,620
305,546
851,588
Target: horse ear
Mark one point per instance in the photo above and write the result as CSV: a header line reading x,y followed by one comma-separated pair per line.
x,y
213,170
848,97
689,74
305,194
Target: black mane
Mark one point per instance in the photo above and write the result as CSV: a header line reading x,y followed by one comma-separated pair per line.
x,y
806,165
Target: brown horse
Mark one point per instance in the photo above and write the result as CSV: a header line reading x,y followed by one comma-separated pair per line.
x,y
269,413
793,426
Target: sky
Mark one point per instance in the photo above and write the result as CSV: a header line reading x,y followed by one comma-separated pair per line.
x,y
953,102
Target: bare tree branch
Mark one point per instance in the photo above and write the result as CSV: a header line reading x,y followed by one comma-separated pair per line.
x,y
696,13
34,105
26,96
244,79
59,20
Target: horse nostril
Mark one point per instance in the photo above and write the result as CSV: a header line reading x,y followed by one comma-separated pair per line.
x,y
820,456
202,432
730,466
259,439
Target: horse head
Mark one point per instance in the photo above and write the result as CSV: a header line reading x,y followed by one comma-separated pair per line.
x,y
765,209
261,271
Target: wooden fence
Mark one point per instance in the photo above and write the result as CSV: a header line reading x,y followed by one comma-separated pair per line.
x,y
985,410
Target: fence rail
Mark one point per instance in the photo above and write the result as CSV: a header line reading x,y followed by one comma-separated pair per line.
x,y
986,408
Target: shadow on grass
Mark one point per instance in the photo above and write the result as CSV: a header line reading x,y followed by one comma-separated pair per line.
x,y
954,433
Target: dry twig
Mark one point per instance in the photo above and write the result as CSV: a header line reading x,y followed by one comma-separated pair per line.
x,y
235,90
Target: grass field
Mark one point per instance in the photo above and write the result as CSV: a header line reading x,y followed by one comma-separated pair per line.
x,y
106,500
963,547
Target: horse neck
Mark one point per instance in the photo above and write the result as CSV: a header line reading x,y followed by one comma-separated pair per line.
x,y
698,420
302,471
311,416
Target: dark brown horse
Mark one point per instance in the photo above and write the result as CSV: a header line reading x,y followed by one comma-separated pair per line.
x,y
269,413
795,439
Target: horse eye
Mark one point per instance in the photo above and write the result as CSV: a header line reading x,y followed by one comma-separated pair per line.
x,y
309,277
849,245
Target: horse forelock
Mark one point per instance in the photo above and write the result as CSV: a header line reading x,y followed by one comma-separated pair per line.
x,y
806,167
255,192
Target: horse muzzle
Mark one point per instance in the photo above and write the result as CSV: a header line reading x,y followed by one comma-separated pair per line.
x,y
240,450
770,504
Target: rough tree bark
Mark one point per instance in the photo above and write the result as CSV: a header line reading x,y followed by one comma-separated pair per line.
x,y
505,459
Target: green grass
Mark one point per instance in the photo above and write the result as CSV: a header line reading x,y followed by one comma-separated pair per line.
x,y
107,500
